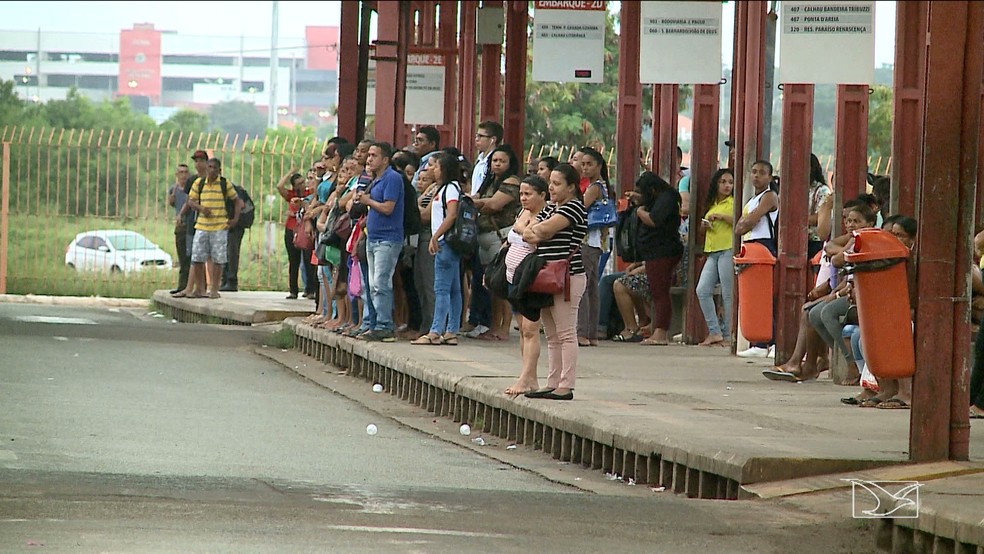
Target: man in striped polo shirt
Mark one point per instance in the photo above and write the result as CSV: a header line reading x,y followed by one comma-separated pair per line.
x,y
212,228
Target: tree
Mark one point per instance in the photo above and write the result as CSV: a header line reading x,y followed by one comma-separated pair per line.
x,y
880,122
188,121
237,117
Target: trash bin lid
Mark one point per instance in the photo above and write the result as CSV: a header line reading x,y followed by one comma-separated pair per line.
x,y
753,253
875,244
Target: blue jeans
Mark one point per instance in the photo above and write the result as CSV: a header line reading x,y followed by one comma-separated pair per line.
x,y
368,310
447,291
383,255
719,268
606,298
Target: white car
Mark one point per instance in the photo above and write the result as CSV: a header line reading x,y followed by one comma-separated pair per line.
x,y
115,251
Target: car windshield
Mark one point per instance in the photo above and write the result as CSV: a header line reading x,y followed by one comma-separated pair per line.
x,y
130,241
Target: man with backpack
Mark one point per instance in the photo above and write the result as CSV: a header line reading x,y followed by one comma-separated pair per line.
x,y
230,272
210,198
385,197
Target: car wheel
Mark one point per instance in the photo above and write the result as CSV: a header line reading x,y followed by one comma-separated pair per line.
x,y
115,269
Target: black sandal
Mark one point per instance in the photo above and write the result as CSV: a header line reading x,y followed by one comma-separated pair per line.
x,y
634,337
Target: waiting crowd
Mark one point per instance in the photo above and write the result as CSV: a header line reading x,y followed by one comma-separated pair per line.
x,y
420,243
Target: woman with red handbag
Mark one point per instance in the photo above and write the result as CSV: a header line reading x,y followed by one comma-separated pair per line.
x,y
557,235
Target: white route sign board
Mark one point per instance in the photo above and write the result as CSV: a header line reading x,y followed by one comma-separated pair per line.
x,y
424,101
827,42
569,41
680,43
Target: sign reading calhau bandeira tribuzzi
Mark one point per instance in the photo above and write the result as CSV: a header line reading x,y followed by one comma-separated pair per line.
x,y
827,42
680,43
569,41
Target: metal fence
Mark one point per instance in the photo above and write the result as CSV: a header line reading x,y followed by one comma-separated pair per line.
x,y
57,183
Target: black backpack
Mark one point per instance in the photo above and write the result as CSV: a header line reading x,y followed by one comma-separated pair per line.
x,y
625,235
248,213
463,235
411,214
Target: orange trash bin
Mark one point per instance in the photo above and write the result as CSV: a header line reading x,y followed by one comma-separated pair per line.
x,y
753,266
881,290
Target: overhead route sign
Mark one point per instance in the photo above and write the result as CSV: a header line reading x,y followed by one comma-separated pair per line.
x,y
569,41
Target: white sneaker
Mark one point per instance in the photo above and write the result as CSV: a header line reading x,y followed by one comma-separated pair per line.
x,y
772,352
478,330
754,352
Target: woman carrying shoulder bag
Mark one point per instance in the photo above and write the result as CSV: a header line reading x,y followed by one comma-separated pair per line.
x,y
444,329
598,194
558,232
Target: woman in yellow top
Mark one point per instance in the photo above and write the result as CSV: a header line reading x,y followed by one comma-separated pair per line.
x,y
718,223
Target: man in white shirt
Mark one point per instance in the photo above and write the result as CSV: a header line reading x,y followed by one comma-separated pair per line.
x,y
487,138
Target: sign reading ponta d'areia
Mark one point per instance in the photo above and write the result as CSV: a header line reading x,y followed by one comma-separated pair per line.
x,y
569,41
827,42
680,43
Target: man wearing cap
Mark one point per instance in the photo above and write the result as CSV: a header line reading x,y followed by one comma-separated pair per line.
x,y
196,279
213,224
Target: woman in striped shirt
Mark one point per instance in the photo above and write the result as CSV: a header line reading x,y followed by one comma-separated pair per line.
x,y
557,234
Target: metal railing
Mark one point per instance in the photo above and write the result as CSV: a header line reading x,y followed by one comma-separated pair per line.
x,y
61,182
57,183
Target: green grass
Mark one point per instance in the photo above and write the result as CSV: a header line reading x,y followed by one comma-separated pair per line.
x,y
36,258
283,339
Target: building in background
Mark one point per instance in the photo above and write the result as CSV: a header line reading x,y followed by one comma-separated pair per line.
x,y
163,71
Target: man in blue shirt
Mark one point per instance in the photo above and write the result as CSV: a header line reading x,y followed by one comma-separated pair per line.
x,y
384,240
176,198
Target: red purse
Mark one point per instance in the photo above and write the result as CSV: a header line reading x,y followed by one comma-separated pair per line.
x,y
554,277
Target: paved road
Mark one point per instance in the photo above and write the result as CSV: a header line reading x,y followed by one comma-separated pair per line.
x,y
124,432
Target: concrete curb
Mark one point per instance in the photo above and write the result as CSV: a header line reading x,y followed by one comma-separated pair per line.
x,y
568,433
79,301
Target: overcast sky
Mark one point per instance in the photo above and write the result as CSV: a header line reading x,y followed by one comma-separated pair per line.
x,y
253,19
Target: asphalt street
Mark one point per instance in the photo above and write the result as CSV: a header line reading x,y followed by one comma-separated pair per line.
x,y
125,432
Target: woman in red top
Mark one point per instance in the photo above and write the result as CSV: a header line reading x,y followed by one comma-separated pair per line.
x,y
294,197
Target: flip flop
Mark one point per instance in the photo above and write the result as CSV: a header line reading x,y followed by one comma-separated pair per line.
x,y
179,295
779,375
450,340
427,340
974,414
893,404
872,402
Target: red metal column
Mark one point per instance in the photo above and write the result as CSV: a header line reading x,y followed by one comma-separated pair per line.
x,y
491,83
737,114
979,204
665,121
427,23
348,71
951,121
911,21
628,124
797,139
851,141
446,32
514,124
467,58
748,82
703,164
391,70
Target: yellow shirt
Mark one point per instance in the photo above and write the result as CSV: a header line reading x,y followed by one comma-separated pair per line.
x,y
211,197
721,233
